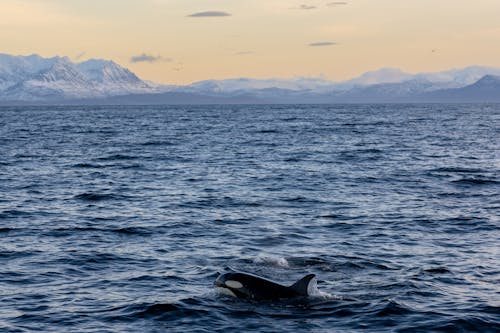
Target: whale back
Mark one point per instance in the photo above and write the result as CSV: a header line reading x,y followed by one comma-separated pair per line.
x,y
244,285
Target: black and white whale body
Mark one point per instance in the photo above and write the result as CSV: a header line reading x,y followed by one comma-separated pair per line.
x,y
249,286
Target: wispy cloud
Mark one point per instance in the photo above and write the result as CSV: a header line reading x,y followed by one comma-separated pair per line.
x,y
322,44
244,52
211,13
306,7
336,3
144,57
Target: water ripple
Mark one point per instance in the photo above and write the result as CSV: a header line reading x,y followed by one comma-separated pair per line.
x,y
119,219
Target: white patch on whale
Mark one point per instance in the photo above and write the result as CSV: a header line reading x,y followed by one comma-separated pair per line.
x,y
225,291
233,284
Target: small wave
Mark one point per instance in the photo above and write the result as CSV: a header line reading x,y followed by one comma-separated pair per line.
x,y
157,310
486,308
334,265
293,159
361,155
62,232
139,311
392,308
95,260
456,170
308,261
270,241
267,131
300,199
468,324
475,181
115,157
161,311
368,151
98,196
271,261
27,156
358,265
331,216
135,166
16,254
219,202
437,270
372,123
101,219
133,231
14,213
341,217
156,278
157,143
87,166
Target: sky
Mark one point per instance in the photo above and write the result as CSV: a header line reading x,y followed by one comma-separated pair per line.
x,y
182,41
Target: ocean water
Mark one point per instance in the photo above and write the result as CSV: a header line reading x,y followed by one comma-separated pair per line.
x,y
118,219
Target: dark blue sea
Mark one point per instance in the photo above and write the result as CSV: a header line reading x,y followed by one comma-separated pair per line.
x,y
118,219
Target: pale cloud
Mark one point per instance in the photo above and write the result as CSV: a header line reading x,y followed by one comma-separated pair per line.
x,y
144,57
336,3
322,44
244,53
210,13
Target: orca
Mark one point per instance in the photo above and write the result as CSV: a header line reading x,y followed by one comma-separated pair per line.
x,y
253,287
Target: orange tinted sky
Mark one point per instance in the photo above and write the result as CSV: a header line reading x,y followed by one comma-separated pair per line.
x,y
257,38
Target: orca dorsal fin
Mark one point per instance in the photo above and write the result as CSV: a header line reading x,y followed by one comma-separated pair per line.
x,y
305,286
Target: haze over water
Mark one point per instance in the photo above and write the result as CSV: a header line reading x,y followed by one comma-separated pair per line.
x,y
117,219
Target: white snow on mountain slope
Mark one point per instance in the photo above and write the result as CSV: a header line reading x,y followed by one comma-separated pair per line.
x,y
458,78
61,79
384,75
246,84
112,78
454,78
34,78
16,69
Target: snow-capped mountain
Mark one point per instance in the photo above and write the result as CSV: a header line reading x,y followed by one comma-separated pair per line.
x,y
389,78
33,78
36,79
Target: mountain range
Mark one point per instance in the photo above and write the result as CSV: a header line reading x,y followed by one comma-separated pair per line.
x,y
57,80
